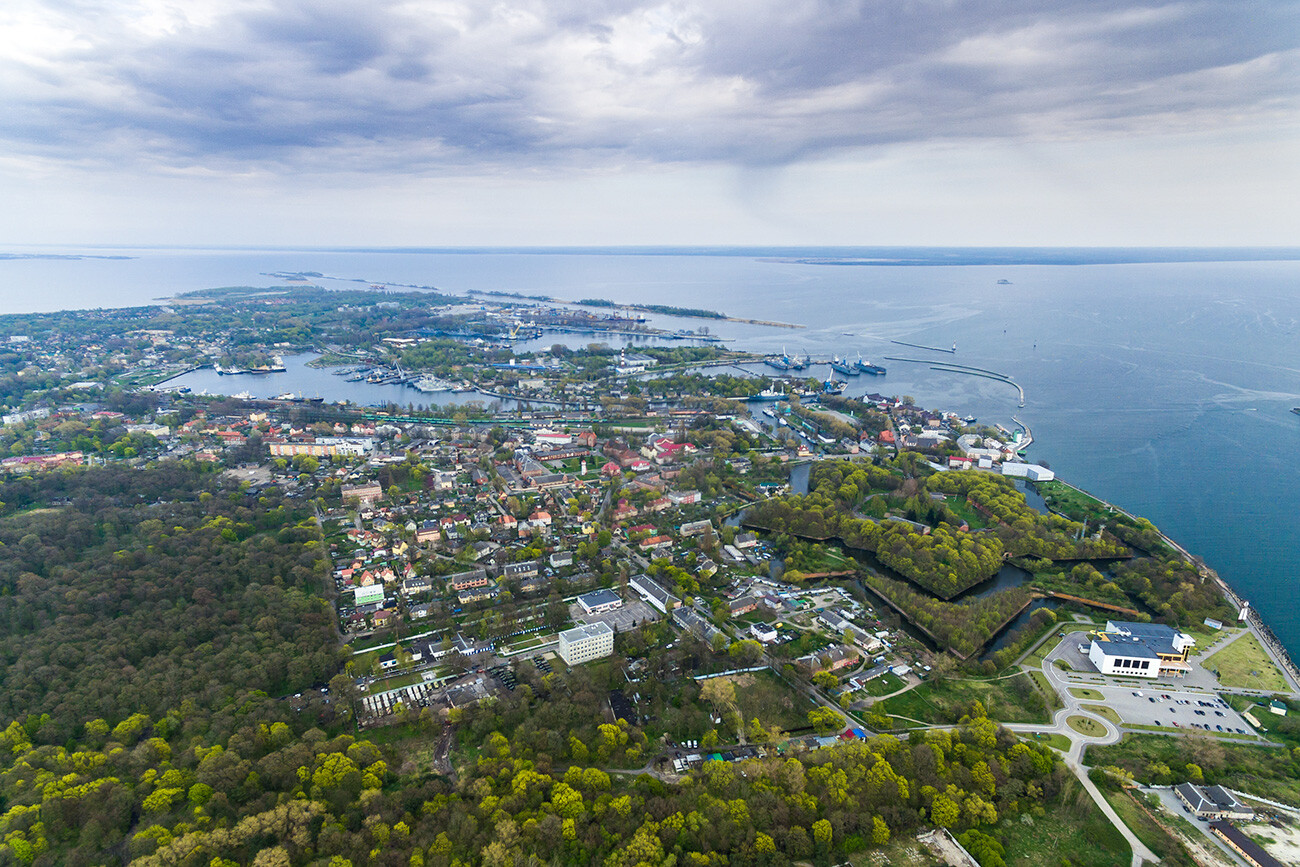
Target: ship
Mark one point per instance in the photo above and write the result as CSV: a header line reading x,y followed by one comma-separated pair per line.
x,y
228,371
832,386
243,395
842,365
969,419
1296,410
432,384
868,367
769,394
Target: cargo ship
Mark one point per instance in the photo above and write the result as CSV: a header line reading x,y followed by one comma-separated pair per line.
x,y
868,367
842,365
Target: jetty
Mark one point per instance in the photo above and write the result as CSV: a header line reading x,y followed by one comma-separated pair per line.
x,y
952,351
950,367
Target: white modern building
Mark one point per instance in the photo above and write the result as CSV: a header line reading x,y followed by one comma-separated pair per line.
x,y
600,601
1141,650
764,632
653,592
1033,472
585,643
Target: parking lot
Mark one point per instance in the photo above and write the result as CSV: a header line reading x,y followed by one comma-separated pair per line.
x,y
1187,703
630,616
1157,705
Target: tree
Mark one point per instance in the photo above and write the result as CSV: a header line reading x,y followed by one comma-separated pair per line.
x,y
879,831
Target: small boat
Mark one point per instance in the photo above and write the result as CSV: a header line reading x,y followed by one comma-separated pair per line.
x,y
969,419
1296,410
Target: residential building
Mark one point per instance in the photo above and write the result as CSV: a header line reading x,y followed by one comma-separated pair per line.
x,y
365,494
585,643
653,592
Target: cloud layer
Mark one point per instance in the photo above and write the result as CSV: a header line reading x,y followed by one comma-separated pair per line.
x,y
456,85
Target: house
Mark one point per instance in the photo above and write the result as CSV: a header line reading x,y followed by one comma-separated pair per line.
x,y
1277,706
745,540
831,659
416,585
656,542
475,594
382,617
695,528
742,605
526,569
365,494
764,632
468,580
1212,802
388,661
560,559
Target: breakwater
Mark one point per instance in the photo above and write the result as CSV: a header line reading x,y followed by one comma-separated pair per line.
x,y
1253,618
948,367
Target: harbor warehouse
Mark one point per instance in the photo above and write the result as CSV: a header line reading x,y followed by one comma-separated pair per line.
x,y
1141,650
585,643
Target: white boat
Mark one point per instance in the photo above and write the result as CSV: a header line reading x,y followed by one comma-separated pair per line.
x,y
243,395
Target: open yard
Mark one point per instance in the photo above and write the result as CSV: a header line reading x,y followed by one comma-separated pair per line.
x,y
1075,832
884,685
764,695
1245,665
1010,699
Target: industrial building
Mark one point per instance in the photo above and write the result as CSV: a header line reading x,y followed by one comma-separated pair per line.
x,y
585,643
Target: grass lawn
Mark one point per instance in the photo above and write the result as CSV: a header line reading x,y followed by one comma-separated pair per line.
x,y
1245,665
1106,713
1264,771
1085,693
884,685
1148,830
1045,689
1055,741
1008,699
395,682
1076,504
1085,726
1073,832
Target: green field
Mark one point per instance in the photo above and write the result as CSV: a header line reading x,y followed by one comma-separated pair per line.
x,y
1106,713
1085,693
1245,665
1085,726
1009,699
1075,832
884,685
1073,503
1140,822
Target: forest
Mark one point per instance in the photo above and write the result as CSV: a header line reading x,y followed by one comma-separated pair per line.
x,y
127,590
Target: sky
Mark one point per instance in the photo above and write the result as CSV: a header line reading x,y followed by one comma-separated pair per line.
x,y
616,122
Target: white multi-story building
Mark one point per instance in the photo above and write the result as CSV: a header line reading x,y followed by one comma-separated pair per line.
x,y
585,643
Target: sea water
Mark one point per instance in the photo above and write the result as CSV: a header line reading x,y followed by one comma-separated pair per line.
x,y
1163,386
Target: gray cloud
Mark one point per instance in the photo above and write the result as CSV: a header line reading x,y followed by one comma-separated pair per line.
x,y
458,84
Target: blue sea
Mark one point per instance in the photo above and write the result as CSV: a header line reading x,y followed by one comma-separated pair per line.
x,y
1161,380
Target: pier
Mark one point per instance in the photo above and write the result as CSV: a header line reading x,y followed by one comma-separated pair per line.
x,y
952,351
949,367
